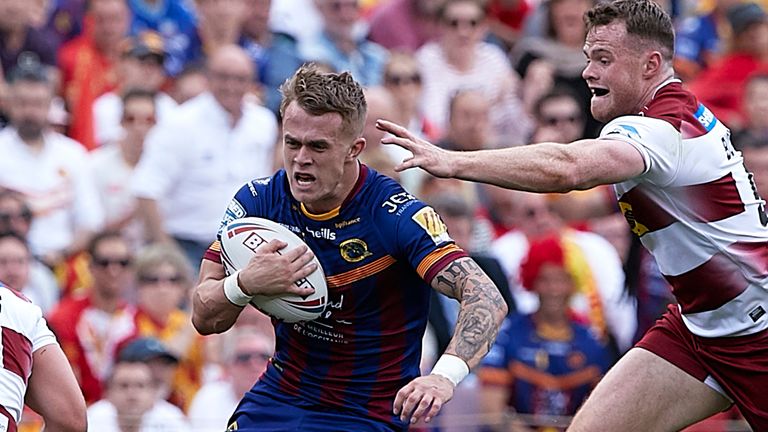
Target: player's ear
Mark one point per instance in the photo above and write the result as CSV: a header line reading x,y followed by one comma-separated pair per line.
x,y
653,64
356,148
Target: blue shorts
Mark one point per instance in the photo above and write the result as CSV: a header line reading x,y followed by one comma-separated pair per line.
x,y
262,412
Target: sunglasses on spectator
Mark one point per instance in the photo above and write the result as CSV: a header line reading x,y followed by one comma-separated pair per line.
x,y
555,120
398,80
337,6
246,357
133,119
457,22
158,279
106,262
23,215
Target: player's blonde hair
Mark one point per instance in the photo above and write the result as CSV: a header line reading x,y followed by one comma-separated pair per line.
x,y
320,93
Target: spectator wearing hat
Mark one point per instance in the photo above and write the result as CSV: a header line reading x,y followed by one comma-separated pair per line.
x,y
721,88
140,68
162,362
544,363
131,403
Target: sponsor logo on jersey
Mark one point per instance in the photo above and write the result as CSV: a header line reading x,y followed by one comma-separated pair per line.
x,y
430,221
625,130
234,211
757,313
392,203
637,228
322,233
346,223
705,117
262,181
354,250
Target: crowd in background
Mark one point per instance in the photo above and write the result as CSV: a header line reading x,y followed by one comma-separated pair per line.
x,y
127,125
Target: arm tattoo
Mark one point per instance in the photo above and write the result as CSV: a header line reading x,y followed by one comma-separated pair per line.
x,y
481,312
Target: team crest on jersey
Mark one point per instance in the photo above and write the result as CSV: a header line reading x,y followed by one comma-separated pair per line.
x,y
637,228
430,221
354,250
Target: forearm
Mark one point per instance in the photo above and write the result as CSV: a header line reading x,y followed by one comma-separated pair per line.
x,y
545,167
211,311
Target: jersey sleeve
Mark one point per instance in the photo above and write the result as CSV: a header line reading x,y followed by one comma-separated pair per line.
x,y
419,234
658,142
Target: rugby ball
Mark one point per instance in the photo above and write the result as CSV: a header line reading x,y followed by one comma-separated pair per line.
x,y
239,240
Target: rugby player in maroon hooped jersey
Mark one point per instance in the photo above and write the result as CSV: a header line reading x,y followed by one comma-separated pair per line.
x,y
685,192
356,367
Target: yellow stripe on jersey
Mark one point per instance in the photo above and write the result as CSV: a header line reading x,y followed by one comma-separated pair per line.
x,y
320,217
359,273
215,246
434,257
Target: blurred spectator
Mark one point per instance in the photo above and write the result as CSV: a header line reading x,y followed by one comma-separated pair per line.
x,y
113,165
209,147
65,19
403,80
721,87
461,60
90,327
164,279
162,362
754,131
131,405
701,39
49,169
174,20
18,270
191,82
405,25
599,298
756,160
275,54
17,36
140,67
560,117
544,363
298,18
246,353
342,43
556,59
469,125
506,19
88,62
380,104
219,24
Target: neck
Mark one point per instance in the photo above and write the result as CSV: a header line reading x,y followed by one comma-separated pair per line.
x,y
343,40
130,151
36,143
128,423
554,315
104,302
651,90
459,57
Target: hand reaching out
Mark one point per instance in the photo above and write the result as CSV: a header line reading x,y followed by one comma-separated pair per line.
x,y
426,155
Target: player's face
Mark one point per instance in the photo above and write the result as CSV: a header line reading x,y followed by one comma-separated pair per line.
x,y
613,72
320,158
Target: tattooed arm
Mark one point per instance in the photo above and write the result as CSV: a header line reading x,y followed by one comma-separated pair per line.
x,y
481,312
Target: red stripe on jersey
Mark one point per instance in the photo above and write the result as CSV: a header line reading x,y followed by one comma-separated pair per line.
x,y
11,422
721,279
212,255
17,353
676,106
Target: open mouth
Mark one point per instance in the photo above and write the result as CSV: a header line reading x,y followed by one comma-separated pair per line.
x,y
303,179
599,92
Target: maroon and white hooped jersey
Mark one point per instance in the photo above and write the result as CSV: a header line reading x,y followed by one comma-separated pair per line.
x,y
696,209
23,331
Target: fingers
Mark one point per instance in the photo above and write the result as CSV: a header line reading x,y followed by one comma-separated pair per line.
x,y
393,128
401,396
272,246
422,406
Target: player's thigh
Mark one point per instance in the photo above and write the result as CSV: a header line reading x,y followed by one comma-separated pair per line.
x,y
644,392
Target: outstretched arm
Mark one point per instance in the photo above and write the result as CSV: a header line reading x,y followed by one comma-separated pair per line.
x,y
481,312
53,391
544,167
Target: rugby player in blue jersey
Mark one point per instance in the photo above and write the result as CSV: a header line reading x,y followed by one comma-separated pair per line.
x,y
356,368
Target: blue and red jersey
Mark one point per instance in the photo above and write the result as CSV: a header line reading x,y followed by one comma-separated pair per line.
x,y
379,250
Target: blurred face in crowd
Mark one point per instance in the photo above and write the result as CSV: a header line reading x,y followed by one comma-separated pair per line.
x,y
30,103
560,119
14,262
14,14
249,360
756,103
463,24
138,118
381,104
567,20
613,71
469,122
554,286
111,267
145,73
131,389
161,290
110,21
459,228
317,152
754,40
256,24
189,85
403,79
222,16
756,160
339,16
230,76
14,215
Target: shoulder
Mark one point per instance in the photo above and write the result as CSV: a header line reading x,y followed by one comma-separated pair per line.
x,y
676,106
66,146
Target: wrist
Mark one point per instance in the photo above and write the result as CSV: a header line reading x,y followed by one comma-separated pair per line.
x,y
451,367
233,292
